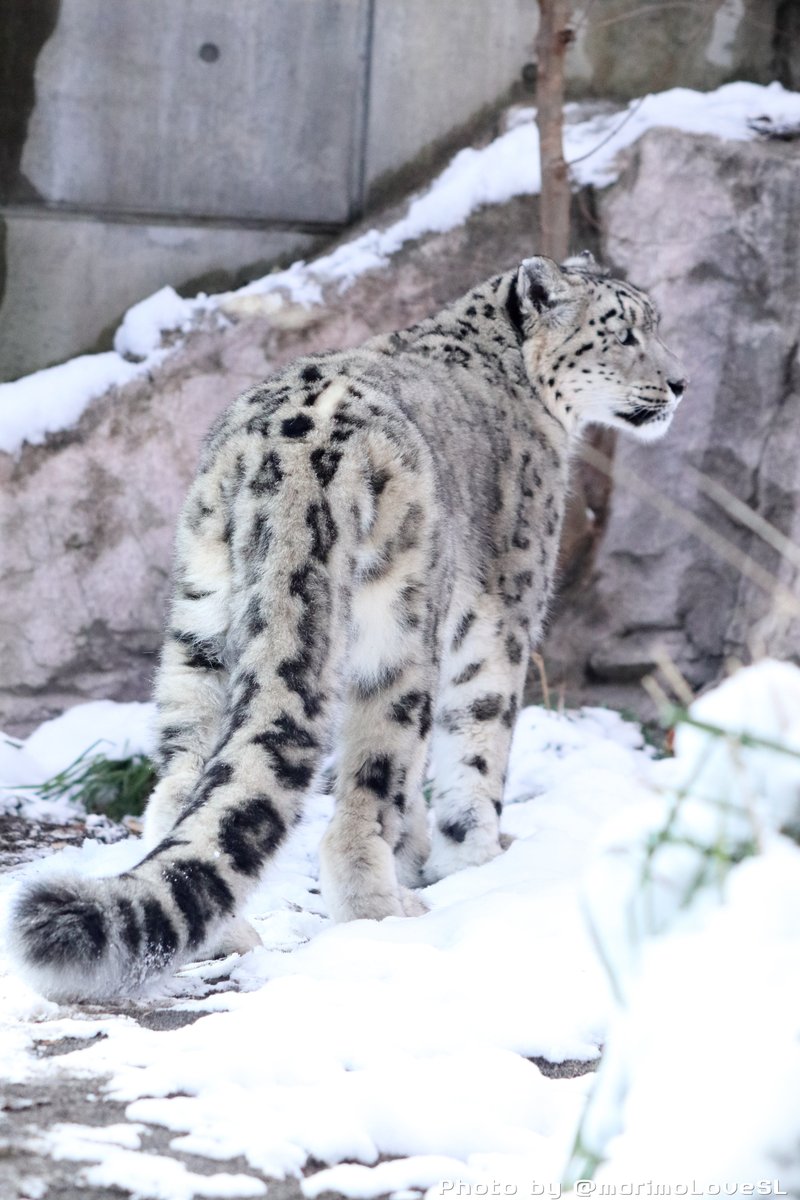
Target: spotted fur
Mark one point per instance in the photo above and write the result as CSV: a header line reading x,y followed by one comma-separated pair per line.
x,y
364,560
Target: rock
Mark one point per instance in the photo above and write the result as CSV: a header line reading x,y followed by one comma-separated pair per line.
x,y
626,50
710,229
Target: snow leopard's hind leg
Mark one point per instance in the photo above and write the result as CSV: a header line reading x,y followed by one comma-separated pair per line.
x,y
483,674
373,852
191,689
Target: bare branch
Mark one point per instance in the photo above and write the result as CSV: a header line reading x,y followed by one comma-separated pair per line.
x,y
630,113
554,35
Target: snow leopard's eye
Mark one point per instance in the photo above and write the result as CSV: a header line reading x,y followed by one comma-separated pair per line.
x,y
626,338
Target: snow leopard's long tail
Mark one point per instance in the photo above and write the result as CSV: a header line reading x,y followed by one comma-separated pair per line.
x,y
282,629
77,938
74,937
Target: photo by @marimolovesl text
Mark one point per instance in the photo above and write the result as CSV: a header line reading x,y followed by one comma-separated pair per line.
x,y
454,1188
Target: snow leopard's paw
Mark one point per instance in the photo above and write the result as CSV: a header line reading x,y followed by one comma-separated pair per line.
x,y
236,937
413,904
448,856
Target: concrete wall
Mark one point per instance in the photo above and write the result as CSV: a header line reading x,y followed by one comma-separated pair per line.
x,y
145,142
194,108
435,64
153,142
71,276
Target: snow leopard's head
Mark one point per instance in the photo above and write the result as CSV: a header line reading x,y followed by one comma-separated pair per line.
x,y
592,349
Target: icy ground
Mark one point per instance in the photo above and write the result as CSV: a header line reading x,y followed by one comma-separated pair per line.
x,y
413,1054
55,398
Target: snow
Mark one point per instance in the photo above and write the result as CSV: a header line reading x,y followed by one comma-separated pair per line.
x,y
705,955
723,113
753,778
54,399
149,1176
420,1172
139,335
399,1052
723,1073
393,1034
101,727
119,730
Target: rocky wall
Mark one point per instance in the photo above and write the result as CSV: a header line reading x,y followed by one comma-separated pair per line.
x,y
710,229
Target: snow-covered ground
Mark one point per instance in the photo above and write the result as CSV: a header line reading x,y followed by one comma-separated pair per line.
x,y
54,399
401,1050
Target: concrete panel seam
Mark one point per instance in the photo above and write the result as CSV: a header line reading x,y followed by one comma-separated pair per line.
x,y
359,192
113,216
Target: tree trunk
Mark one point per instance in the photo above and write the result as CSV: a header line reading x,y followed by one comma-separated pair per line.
x,y
552,40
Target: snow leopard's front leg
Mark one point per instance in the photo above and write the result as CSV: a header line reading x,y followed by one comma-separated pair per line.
x,y
482,677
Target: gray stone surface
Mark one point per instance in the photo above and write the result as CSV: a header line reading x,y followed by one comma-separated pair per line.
x,y
264,109
710,229
434,69
69,279
197,108
626,49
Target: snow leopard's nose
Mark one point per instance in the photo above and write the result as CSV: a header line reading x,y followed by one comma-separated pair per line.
x,y
677,387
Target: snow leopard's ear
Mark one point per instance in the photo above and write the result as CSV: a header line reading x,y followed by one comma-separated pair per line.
x,y
544,291
586,262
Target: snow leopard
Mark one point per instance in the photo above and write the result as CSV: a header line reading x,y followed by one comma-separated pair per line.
x,y
364,562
